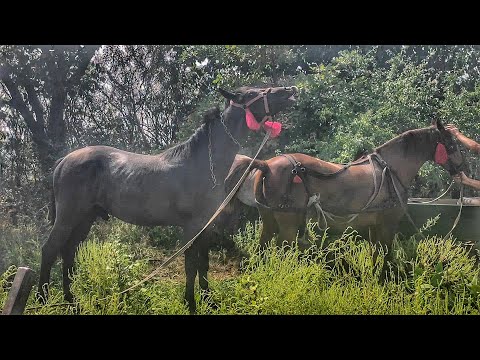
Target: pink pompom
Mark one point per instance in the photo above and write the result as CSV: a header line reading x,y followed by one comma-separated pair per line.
x,y
275,128
441,156
251,121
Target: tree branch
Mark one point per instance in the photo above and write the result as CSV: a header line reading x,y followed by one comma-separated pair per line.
x,y
18,104
35,103
82,66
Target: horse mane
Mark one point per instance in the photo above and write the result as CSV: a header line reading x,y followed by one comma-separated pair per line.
x,y
186,148
409,140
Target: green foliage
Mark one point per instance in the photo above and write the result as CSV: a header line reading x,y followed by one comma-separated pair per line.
x,y
6,279
19,246
356,103
345,277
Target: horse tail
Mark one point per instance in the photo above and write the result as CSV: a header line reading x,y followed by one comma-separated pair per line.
x,y
258,183
238,168
52,210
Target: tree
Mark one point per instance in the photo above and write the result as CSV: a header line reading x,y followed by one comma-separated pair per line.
x,y
36,82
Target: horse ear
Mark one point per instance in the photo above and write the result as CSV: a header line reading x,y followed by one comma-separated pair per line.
x,y
226,94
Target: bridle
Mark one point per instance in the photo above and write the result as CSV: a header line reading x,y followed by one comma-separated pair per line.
x,y
262,95
442,156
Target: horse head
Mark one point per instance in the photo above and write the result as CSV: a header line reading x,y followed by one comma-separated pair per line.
x,y
258,106
447,153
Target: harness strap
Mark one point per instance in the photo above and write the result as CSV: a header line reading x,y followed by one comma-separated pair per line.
x,y
457,219
404,206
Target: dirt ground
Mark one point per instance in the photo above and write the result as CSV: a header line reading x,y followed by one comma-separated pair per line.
x,y
223,265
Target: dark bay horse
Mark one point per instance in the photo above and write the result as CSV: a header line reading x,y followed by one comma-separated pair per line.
x,y
182,186
369,194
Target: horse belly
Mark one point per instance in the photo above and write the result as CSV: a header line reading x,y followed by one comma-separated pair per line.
x,y
362,221
141,208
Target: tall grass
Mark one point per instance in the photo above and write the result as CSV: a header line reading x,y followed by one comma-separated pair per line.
x,y
345,275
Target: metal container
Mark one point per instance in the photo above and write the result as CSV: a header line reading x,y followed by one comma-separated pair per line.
x,y
467,229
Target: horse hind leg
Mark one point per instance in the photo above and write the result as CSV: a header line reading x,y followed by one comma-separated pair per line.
x,y
50,250
290,224
79,234
269,227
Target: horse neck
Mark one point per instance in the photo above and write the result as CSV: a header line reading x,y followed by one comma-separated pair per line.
x,y
405,158
223,149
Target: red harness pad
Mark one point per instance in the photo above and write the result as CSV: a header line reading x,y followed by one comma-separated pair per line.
x,y
441,155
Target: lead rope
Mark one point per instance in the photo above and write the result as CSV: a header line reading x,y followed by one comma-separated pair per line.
x,y
455,223
405,210
219,210
439,197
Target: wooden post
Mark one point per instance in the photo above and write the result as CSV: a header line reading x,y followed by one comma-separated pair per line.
x,y
18,294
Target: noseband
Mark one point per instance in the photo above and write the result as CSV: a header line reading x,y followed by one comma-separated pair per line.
x,y
263,94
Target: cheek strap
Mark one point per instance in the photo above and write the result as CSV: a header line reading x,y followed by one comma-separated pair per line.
x,y
441,156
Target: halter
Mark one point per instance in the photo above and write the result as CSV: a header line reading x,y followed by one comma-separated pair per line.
x,y
442,157
274,127
263,94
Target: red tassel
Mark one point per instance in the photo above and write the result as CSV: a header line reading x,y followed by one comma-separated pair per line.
x,y
275,127
441,156
251,121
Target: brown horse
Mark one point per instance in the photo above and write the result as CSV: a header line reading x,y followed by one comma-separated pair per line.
x,y
176,187
369,194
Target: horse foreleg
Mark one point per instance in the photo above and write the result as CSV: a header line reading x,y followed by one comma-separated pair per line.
x,y
191,267
203,267
289,225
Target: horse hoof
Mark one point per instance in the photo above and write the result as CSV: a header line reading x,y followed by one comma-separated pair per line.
x,y
207,298
42,299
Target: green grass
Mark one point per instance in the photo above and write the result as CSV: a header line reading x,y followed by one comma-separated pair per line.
x,y
345,275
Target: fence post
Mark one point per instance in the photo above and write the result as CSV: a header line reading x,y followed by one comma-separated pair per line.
x,y
18,294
